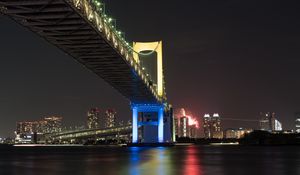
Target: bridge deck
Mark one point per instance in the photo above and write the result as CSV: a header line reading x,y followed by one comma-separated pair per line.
x,y
92,133
84,34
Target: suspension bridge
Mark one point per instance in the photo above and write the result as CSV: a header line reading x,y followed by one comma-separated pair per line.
x,y
83,30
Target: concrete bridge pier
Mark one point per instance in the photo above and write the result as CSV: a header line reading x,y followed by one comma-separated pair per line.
x,y
150,124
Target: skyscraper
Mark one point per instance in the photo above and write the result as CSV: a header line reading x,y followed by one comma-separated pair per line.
x,y
212,126
267,121
176,126
206,126
193,131
110,118
216,126
93,118
184,126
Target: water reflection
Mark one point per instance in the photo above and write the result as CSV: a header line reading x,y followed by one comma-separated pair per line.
x,y
134,161
190,160
192,164
144,161
165,161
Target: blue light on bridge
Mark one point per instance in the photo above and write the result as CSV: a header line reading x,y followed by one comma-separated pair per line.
x,y
134,125
157,108
161,125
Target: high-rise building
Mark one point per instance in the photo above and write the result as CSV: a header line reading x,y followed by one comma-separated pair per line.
x,y
48,125
212,126
193,131
110,118
184,126
264,124
93,118
26,127
268,122
53,124
176,126
278,126
216,126
297,122
206,126
33,131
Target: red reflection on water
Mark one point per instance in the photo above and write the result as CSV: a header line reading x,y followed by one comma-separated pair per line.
x,y
192,163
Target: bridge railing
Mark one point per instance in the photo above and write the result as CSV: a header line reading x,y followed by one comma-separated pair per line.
x,y
93,11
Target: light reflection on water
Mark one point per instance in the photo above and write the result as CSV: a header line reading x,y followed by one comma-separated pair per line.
x,y
192,164
190,160
155,161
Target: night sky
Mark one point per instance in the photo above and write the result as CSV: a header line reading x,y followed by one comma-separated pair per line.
x,y
237,58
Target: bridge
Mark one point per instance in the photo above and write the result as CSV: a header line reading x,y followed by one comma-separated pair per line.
x,y
83,30
90,133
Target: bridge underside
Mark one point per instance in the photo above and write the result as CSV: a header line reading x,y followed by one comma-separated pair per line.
x,y
63,25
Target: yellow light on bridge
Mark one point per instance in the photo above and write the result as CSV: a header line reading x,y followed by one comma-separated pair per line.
x,y
152,46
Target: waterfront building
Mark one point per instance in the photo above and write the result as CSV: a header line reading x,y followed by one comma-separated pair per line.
x,y
236,133
268,122
241,132
230,133
216,126
278,126
212,126
93,118
297,122
33,131
264,124
24,138
48,125
52,124
184,126
26,127
29,127
193,131
176,126
218,135
206,126
110,118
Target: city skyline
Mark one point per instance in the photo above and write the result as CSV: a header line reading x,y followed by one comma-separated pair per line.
x,y
232,59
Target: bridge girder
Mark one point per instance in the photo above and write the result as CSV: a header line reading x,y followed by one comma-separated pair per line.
x,y
64,25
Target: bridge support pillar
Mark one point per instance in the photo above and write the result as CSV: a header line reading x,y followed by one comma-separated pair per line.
x,y
161,125
135,131
150,118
